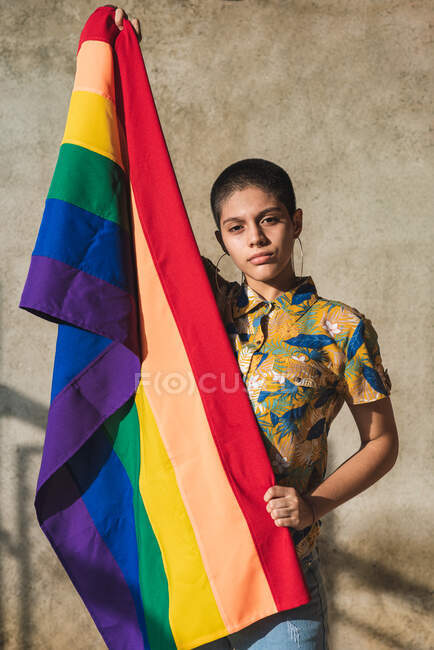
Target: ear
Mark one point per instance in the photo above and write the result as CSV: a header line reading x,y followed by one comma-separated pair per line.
x,y
297,220
220,240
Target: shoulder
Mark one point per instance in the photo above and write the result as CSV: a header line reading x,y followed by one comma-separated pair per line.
x,y
346,324
224,290
332,306
346,315
360,364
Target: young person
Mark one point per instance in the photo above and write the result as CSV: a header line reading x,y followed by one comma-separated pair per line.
x,y
301,357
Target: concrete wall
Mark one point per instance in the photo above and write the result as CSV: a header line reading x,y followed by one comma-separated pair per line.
x,y
338,93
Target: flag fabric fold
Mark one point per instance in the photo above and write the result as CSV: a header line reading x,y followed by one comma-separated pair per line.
x,y
153,472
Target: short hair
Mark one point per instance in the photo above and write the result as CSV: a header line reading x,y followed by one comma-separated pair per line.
x,y
252,171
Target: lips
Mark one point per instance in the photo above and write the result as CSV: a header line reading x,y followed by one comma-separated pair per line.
x,y
260,257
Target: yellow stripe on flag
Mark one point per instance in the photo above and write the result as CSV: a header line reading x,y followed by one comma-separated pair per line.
x,y
92,123
193,612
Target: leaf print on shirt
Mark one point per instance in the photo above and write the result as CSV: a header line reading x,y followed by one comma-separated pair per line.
x,y
244,357
317,430
362,381
372,376
325,395
287,390
316,341
287,423
356,340
301,357
311,345
332,328
308,452
303,293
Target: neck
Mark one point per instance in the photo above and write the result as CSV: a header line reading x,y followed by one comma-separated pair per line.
x,y
271,289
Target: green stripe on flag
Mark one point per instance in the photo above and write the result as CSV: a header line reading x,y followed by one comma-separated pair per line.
x,y
92,182
123,429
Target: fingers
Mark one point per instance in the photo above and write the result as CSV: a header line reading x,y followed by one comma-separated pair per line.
x,y
287,510
135,23
120,14
290,510
119,17
289,519
283,502
279,491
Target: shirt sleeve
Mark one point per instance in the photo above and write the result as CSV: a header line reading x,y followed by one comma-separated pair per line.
x,y
364,377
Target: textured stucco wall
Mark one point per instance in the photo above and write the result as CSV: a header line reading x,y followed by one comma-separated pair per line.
x,y
337,92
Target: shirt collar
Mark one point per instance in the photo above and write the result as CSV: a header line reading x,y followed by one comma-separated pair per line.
x,y
295,301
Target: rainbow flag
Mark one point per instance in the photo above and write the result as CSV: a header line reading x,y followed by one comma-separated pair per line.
x,y
153,473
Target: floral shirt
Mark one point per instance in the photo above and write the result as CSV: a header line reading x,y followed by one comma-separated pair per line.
x,y
301,356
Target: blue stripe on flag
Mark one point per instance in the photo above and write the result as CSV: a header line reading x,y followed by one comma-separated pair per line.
x,y
108,496
84,241
75,349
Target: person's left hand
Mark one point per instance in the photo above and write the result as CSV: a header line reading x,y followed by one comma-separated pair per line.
x,y
120,14
288,508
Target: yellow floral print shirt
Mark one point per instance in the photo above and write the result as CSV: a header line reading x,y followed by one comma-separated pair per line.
x,y
301,356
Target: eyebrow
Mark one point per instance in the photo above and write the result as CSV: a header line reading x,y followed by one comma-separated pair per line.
x,y
260,214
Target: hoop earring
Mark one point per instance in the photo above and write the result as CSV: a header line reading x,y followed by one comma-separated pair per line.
x,y
243,277
301,250
216,273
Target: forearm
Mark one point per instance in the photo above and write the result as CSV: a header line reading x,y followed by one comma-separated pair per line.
x,y
365,467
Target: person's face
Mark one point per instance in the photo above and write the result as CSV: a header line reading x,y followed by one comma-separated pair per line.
x,y
253,221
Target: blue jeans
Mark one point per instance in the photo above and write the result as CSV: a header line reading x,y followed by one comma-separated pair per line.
x,y
300,628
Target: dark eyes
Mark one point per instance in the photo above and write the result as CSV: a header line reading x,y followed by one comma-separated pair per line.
x,y
266,219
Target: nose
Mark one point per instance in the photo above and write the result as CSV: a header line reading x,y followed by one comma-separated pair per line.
x,y
256,236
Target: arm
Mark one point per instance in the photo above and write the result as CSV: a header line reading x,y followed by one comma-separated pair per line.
x,y
376,456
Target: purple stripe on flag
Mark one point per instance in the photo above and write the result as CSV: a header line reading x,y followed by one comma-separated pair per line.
x,y
93,570
59,292
85,403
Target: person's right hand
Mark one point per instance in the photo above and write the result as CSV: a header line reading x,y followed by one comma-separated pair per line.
x,y
119,20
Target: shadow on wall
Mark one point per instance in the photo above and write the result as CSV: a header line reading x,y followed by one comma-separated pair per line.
x,y
373,619
373,600
15,405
